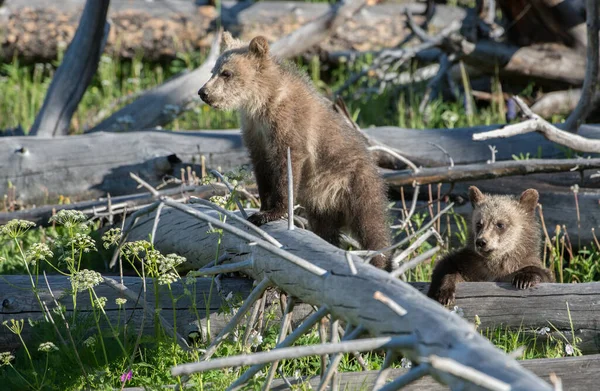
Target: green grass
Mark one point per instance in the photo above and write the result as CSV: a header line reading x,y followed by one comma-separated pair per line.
x,y
106,359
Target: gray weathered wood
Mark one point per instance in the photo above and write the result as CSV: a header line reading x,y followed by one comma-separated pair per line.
x,y
576,373
75,73
159,30
349,296
162,104
87,166
116,205
471,172
21,304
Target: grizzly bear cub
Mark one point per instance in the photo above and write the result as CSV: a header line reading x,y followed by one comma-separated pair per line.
x,y
335,178
504,245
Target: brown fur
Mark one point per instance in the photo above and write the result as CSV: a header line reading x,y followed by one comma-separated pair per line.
x,y
335,178
504,245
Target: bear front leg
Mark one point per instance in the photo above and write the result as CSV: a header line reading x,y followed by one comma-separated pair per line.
x,y
278,198
530,276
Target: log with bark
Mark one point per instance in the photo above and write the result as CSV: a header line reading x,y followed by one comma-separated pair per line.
x,y
88,166
159,30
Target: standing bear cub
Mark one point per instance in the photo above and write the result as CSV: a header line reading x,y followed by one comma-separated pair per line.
x,y
335,178
504,245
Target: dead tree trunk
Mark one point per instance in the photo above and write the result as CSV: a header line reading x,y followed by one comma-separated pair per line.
x,y
75,73
88,166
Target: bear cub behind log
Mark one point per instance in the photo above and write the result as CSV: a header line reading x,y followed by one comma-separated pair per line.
x,y
335,178
504,245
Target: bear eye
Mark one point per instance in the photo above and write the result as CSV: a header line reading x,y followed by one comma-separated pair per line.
x,y
500,225
226,74
478,225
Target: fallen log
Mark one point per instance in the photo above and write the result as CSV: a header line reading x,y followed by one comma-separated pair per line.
x,y
471,172
159,30
110,207
87,166
318,273
576,373
496,305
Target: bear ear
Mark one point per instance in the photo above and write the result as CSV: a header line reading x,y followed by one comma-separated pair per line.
x,y
529,199
228,42
259,46
476,196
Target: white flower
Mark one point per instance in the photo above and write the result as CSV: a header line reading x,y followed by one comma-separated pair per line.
x,y
15,229
90,342
405,363
569,349
167,278
47,347
38,252
458,311
100,302
120,301
69,218
255,338
6,358
543,331
85,279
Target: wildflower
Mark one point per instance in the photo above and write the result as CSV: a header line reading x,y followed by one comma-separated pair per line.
x,y
85,279
220,200
569,349
15,326
69,218
126,376
190,279
111,237
120,301
15,229
405,363
255,339
450,118
458,311
543,331
6,358
170,262
38,252
82,242
134,249
100,302
90,342
167,278
47,347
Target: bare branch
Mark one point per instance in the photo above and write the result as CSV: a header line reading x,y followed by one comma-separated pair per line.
x,y
413,375
468,172
247,224
227,268
290,181
278,354
538,124
288,341
254,295
474,376
415,261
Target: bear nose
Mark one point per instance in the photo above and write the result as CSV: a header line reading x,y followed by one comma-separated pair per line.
x,y
481,242
203,94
